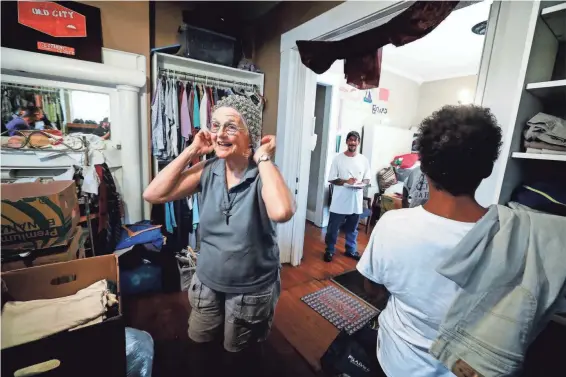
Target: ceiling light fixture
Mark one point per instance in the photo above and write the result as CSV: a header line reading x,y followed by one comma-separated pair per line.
x,y
479,28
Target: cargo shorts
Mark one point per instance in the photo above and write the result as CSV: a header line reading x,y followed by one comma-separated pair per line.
x,y
247,318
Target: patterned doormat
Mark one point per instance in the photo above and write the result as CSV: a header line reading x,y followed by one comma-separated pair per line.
x,y
340,309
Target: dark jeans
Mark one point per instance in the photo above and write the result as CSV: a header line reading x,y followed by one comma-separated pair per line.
x,y
349,224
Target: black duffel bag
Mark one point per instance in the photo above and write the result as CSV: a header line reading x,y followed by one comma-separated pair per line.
x,y
353,355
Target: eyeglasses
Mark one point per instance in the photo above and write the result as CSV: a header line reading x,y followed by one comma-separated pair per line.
x,y
230,129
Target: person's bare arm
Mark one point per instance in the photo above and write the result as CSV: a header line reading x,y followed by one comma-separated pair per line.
x,y
277,197
175,181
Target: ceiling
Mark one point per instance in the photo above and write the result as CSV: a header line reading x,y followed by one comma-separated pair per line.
x,y
451,50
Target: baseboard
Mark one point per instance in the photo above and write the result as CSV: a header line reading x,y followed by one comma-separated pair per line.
x,y
311,216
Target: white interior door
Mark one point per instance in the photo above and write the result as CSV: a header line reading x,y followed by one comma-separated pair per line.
x,y
294,130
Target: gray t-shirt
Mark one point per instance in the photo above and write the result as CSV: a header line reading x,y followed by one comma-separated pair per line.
x,y
238,254
417,186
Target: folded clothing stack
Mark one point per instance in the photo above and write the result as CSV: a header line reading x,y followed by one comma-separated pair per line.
x,y
27,321
545,134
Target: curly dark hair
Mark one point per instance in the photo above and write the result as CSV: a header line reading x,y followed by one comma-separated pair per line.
x,y
458,146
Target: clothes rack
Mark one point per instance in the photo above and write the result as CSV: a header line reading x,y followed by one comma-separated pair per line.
x,y
199,79
181,217
41,89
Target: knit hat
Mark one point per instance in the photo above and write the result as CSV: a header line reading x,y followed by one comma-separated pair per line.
x,y
250,112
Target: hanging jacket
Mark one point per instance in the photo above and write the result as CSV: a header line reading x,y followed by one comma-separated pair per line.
x,y
511,268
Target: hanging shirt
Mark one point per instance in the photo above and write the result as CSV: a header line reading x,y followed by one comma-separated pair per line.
x,y
191,98
171,120
186,123
196,215
204,110
210,105
196,110
157,125
176,127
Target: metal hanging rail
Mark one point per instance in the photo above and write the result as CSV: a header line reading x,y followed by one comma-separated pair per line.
x,y
207,80
7,85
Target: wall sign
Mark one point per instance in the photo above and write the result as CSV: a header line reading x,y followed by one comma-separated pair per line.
x,y
375,109
63,28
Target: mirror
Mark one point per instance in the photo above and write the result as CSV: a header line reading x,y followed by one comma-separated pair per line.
x,y
56,110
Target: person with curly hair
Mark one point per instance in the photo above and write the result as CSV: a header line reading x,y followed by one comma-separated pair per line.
x,y
458,146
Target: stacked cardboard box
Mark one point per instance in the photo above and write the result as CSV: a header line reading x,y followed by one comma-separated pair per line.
x,y
95,350
39,224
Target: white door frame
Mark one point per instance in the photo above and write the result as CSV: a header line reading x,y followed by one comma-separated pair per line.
x,y
297,88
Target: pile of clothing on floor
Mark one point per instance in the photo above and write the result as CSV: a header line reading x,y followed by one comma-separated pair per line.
x,y
545,134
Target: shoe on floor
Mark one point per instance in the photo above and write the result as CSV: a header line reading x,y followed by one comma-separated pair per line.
x,y
354,255
327,257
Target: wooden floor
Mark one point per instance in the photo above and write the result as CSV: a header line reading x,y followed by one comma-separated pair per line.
x,y
299,335
308,332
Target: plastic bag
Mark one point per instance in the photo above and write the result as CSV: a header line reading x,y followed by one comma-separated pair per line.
x,y
139,353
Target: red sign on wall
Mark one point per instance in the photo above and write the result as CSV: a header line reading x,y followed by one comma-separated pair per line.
x,y
51,18
52,47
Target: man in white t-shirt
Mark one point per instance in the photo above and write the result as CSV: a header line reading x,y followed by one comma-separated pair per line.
x,y
349,174
458,146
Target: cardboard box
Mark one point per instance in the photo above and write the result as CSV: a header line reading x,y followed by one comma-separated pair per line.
x,y
74,250
97,350
38,215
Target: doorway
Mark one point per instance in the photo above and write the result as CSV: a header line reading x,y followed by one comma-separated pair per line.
x,y
401,118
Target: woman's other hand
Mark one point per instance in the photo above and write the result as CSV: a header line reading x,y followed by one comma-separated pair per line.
x,y
202,144
267,147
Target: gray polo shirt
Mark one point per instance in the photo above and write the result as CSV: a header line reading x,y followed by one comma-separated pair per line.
x,y
238,255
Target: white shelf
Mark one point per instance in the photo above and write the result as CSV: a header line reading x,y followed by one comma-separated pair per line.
x,y
198,67
548,88
555,18
539,156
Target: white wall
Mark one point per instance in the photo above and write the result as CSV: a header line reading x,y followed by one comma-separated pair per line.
x,y
403,99
386,143
435,94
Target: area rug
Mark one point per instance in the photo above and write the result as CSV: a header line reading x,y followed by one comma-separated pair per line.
x,y
353,282
340,309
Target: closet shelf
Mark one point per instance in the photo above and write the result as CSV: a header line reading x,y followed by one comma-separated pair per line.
x,y
555,18
539,156
548,88
199,67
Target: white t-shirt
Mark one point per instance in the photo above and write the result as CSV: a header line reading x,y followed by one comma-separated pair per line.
x,y
404,250
347,200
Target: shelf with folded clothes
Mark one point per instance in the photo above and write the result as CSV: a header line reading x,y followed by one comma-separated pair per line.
x,y
548,88
539,156
555,18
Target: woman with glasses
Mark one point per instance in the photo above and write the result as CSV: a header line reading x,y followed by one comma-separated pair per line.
x,y
242,196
